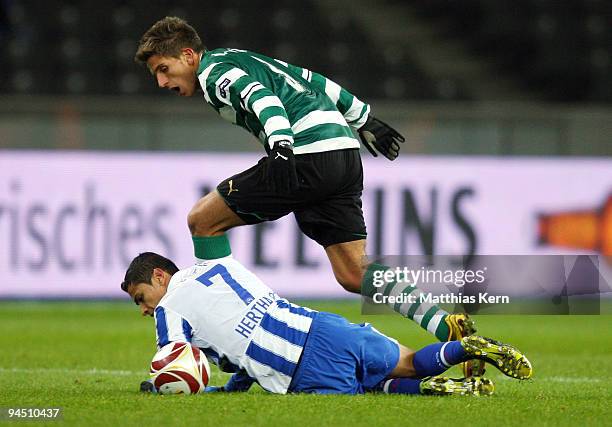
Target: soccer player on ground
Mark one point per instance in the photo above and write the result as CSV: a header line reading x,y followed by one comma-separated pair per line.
x,y
313,168
244,327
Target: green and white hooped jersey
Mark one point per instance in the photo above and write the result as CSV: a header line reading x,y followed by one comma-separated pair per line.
x,y
275,101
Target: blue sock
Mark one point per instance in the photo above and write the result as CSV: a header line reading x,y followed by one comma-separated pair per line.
x,y
454,352
400,386
437,358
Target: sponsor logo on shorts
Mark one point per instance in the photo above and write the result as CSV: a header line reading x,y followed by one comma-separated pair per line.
x,y
231,187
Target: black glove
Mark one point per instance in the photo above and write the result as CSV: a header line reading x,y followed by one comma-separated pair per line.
x,y
240,381
280,174
214,389
376,134
147,387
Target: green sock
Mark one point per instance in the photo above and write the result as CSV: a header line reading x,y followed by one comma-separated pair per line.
x,y
211,247
428,316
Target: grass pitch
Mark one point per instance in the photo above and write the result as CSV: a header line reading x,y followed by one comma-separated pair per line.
x,y
89,357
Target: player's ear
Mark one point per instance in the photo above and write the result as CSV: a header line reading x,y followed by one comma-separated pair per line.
x,y
161,277
157,276
189,55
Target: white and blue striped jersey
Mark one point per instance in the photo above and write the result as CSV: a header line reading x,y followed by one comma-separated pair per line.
x,y
238,321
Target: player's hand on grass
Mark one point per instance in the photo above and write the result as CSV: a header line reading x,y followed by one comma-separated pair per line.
x,y
376,135
147,387
280,173
239,382
214,389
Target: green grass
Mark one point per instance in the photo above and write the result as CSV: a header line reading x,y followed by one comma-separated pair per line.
x,y
89,358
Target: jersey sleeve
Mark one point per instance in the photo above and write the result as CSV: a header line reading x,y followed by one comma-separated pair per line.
x,y
222,363
355,111
171,327
226,85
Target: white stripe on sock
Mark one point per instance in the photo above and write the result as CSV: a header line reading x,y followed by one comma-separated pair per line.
x,y
442,358
396,291
404,308
432,327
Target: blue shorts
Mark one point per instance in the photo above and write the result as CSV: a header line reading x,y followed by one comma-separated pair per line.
x,y
343,357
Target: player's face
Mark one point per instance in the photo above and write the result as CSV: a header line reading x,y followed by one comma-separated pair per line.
x,y
177,74
146,295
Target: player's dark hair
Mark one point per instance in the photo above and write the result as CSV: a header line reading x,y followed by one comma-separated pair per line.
x,y
141,269
166,38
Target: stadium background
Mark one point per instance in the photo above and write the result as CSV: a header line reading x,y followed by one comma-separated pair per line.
x,y
506,107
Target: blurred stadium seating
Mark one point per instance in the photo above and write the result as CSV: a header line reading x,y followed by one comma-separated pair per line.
x,y
562,49
87,47
558,51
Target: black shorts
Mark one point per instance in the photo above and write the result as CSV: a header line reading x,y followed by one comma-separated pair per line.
x,y
327,204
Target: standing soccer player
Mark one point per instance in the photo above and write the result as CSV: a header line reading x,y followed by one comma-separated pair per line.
x,y
313,168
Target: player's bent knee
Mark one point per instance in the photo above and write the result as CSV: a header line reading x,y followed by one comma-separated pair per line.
x,y
195,218
350,281
347,263
211,216
201,218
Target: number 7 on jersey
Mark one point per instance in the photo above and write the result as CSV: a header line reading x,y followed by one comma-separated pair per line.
x,y
220,270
